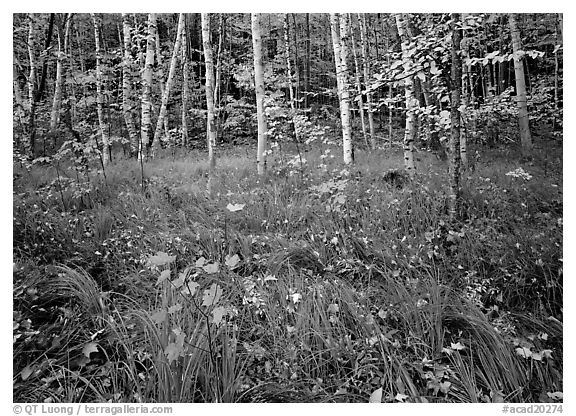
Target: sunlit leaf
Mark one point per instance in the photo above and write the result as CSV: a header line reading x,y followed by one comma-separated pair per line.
x,y
89,348
212,268
189,288
200,262
232,261
235,207
376,396
457,347
400,397
27,372
217,314
557,395
212,295
333,308
524,352
160,259
175,308
163,276
159,316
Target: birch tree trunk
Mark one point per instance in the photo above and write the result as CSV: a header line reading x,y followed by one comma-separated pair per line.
x,y
62,48
30,140
147,87
168,85
358,86
126,84
289,70
185,82
366,71
100,94
525,136
160,66
454,142
411,101
338,27
211,121
259,84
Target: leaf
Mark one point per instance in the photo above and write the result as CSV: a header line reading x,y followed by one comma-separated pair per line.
x,y
160,316
89,348
400,397
546,353
269,278
217,314
160,259
333,308
445,387
175,308
27,372
212,268
232,261
235,207
200,262
558,395
457,347
212,295
524,352
190,288
163,276
172,352
376,396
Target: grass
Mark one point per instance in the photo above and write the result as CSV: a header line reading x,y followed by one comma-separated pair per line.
x,y
346,281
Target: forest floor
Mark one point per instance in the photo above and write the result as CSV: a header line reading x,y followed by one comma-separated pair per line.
x,y
331,284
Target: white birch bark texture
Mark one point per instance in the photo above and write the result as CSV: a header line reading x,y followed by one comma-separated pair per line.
x,y
366,71
454,142
411,101
147,87
339,29
62,48
211,120
185,81
259,84
525,136
127,67
29,144
168,85
289,70
100,94
358,83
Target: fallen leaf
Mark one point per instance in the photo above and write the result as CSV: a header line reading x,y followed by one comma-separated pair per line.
x,y
232,261
457,347
217,314
189,288
235,207
160,259
400,397
212,295
212,268
524,352
163,276
558,395
27,372
376,396
160,316
89,348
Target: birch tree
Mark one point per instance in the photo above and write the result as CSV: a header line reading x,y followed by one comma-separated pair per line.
x,y
30,142
339,27
100,94
358,86
185,82
259,84
525,136
168,85
289,71
147,87
62,48
454,141
127,67
411,101
366,71
211,120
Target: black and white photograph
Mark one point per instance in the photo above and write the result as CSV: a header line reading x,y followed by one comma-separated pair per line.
x,y
287,208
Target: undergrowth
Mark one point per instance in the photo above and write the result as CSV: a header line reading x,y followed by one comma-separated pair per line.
x,y
314,283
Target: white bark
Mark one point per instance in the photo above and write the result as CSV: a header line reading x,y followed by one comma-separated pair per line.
x,y
147,86
211,121
100,94
339,27
126,81
259,84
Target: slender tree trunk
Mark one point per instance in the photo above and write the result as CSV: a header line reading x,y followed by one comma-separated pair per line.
x,y
168,85
62,48
259,84
127,69
289,71
30,142
296,63
160,66
525,137
211,120
185,85
339,28
40,91
454,145
307,62
147,88
366,71
411,101
358,85
100,94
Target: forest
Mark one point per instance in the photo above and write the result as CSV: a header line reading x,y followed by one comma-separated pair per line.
x,y
318,208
